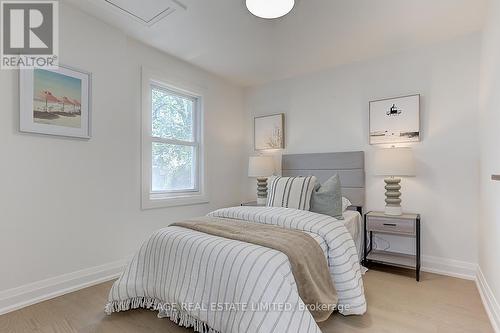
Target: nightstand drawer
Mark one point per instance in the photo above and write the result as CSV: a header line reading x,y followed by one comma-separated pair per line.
x,y
391,225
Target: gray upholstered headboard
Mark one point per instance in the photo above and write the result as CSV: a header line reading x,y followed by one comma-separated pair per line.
x,y
350,166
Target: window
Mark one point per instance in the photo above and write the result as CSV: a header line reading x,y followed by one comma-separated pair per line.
x,y
172,146
174,142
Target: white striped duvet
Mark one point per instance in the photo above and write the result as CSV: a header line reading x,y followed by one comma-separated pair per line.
x,y
216,284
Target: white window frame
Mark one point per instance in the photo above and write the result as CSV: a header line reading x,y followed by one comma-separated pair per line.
x,y
159,199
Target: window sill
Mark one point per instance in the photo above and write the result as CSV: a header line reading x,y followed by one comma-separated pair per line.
x,y
149,202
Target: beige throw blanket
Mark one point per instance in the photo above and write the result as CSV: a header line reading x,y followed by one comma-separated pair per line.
x,y
308,263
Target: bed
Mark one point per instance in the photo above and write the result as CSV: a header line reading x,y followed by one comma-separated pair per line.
x,y
218,284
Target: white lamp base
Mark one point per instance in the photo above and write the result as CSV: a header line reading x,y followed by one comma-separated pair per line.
x,y
393,210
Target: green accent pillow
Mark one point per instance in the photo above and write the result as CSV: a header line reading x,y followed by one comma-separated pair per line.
x,y
327,198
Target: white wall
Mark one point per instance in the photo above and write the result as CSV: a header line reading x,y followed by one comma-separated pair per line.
x,y
328,112
67,205
489,226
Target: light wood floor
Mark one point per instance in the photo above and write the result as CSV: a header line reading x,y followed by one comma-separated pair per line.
x,y
396,303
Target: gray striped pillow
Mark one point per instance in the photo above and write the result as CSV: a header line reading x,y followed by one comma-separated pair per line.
x,y
291,192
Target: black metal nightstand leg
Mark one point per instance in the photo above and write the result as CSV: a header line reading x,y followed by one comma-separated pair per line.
x,y
418,249
364,242
371,241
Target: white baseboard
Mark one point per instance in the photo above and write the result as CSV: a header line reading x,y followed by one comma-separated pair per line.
x,y
19,297
490,302
449,267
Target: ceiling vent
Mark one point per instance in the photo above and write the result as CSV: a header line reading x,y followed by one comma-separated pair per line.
x,y
147,12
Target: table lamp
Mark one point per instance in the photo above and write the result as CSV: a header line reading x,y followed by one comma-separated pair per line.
x,y
261,167
394,163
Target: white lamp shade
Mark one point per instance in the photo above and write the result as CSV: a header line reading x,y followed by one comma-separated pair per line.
x,y
270,9
260,166
394,162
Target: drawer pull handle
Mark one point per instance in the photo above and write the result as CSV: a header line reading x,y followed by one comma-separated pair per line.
x,y
390,224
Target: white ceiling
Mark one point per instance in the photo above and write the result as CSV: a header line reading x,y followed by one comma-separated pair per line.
x,y
223,37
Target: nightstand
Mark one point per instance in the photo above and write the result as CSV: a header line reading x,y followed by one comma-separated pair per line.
x,y
407,225
251,203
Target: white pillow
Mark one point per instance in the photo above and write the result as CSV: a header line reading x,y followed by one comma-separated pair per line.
x,y
291,192
345,204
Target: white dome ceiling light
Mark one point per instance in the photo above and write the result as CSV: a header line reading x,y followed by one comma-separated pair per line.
x,y
270,9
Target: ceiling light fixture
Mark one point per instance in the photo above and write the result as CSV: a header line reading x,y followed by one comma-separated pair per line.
x,y
270,9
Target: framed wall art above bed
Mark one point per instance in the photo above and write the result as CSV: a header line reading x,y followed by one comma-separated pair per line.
x,y
269,132
395,120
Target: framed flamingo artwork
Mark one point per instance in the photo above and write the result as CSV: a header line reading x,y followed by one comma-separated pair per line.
x,y
55,102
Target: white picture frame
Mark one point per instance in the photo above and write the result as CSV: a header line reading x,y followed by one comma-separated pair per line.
x,y
395,120
66,110
269,132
